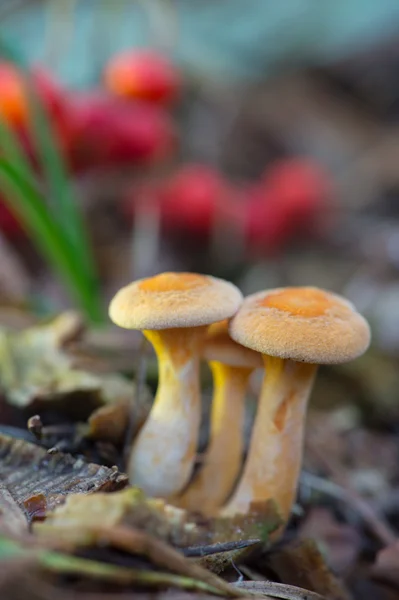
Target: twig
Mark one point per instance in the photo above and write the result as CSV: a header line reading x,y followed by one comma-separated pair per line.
x,y
161,554
376,524
200,551
278,590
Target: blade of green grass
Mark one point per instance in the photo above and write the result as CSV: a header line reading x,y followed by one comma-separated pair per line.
x,y
49,236
17,158
62,200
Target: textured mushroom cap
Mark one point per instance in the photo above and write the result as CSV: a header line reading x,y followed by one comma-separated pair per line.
x,y
220,347
172,300
304,324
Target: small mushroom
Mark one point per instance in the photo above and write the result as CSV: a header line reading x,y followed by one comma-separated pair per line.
x,y
173,310
231,365
296,329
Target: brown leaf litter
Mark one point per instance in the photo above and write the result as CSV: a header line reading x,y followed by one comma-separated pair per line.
x,y
27,472
35,369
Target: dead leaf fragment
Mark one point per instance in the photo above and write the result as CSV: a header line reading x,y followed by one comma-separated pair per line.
x,y
36,369
128,507
27,470
341,543
12,517
301,564
174,525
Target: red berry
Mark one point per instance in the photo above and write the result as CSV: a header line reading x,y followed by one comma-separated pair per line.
x,y
192,196
299,184
143,75
107,131
285,201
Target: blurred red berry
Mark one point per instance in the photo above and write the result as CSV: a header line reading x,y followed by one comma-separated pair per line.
x,y
107,131
300,185
143,75
285,201
189,200
192,197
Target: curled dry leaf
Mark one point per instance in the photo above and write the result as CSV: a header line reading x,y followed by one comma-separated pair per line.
x,y
37,480
36,369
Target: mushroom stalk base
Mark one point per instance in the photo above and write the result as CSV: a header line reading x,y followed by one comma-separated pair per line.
x,y
164,451
222,461
275,453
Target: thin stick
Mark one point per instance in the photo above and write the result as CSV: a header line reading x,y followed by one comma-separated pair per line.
x,y
200,551
278,590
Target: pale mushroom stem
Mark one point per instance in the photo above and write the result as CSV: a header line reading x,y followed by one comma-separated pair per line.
x,y
274,458
169,437
223,458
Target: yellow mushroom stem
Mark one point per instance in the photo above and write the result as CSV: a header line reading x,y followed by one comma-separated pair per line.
x,y
274,458
169,437
223,458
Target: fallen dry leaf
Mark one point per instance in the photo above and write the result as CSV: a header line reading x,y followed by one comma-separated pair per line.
x,y
27,471
176,526
128,507
12,517
35,369
341,543
301,564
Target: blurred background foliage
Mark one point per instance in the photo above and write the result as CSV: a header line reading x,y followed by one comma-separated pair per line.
x,y
234,38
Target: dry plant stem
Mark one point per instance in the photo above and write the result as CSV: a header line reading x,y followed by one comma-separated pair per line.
x,y
278,590
161,554
275,453
222,461
170,435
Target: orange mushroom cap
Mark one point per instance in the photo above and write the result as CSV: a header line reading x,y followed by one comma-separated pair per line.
x,y
305,324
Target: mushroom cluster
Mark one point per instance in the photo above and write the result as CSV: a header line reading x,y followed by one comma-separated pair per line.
x,y
289,331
